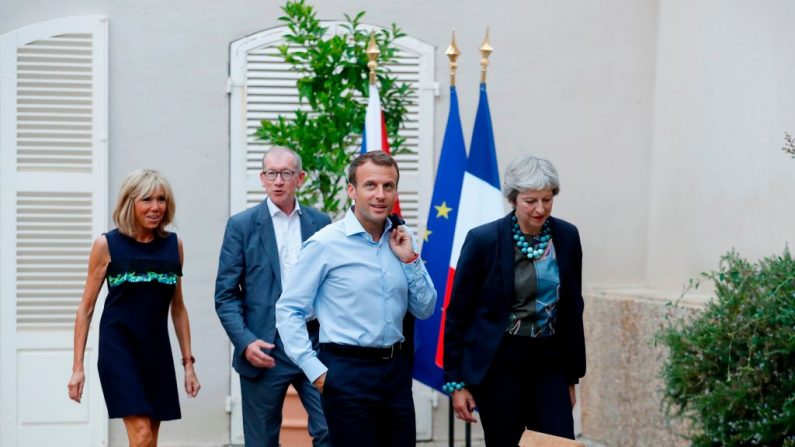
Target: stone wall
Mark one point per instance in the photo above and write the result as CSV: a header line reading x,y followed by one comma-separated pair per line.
x,y
621,393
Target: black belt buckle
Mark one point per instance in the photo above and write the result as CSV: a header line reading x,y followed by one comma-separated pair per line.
x,y
390,354
393,351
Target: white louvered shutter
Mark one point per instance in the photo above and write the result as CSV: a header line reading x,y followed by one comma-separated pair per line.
x,y
53,203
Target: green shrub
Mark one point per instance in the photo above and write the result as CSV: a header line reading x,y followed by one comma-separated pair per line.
x,y
731,368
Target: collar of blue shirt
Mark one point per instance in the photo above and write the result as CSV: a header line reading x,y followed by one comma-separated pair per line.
x,y
353,226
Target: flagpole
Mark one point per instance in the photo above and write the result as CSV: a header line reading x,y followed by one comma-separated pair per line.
x,y
485,52
450,423
452,53
372,54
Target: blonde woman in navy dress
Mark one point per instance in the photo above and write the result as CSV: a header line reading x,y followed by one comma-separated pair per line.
x,y
142,263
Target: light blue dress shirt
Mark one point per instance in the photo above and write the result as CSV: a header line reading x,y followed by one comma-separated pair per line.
x,y
358,289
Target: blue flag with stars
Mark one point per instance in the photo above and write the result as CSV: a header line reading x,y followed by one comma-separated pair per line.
x,y
437,246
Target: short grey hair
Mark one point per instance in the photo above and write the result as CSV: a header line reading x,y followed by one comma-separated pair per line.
x,y
283,150
529,172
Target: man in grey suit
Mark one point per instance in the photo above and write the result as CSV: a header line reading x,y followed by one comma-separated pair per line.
x,y
260,246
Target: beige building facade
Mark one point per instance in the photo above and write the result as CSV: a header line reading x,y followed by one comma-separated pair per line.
x,y
665,120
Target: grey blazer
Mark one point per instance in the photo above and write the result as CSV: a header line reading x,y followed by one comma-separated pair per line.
x,y
249,279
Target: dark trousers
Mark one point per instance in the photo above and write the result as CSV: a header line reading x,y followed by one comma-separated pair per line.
x,y
524,388
368,402
263,399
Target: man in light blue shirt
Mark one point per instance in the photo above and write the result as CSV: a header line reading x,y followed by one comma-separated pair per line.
x,y
359,276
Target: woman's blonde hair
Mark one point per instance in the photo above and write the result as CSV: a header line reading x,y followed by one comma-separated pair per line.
x,y
137,185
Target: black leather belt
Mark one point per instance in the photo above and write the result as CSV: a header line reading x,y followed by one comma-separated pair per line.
x,y
362,352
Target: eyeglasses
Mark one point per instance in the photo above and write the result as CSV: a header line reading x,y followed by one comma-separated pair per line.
x,y
286,174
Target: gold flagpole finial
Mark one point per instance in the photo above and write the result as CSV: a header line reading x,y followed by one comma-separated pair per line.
x,y
372,54
485,51
453,52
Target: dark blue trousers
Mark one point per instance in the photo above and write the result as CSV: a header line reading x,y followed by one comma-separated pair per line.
x,y
524,388
368,402
263,399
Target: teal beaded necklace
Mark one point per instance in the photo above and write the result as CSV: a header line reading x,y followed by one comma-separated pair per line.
x,y
535,249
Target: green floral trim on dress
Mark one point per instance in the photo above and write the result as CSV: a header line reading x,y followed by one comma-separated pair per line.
x,y
163,278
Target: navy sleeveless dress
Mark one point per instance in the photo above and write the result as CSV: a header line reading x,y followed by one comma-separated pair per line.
x,y
135,365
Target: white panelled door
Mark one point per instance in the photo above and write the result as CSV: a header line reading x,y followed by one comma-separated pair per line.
x,y
53,203
262,87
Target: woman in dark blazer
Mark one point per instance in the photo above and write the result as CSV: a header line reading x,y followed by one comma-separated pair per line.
x,y
513,340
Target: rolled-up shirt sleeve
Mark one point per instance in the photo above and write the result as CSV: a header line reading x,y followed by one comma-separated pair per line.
x,y
296,306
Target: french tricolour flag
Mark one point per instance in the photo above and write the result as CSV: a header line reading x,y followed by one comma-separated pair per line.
x,y
481,199
374,137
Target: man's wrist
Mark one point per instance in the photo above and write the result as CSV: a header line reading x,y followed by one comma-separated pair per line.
x,y
313,368
413,258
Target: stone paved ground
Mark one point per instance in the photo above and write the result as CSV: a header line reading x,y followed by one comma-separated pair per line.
x,y
479,443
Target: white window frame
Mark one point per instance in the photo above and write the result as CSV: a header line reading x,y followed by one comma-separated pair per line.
x,y
241,181
13,340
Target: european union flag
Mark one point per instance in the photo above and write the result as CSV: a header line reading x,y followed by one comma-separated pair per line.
x,y
437,246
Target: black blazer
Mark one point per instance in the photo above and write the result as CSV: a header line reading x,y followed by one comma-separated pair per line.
x,y
483,293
